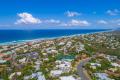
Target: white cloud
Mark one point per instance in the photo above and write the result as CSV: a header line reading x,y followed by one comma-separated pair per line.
x,y
74,22
113,12
118,24
79,22
26,18
53,21
72,14
115,21
118,20
102,22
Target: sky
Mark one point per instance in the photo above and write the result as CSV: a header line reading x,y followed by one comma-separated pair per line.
x,y
59,14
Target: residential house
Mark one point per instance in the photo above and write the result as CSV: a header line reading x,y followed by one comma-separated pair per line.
x,y
102,76
94,65
64,66
67,78
56,73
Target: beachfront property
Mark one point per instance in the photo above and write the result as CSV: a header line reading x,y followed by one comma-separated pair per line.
x,y
59,39
57,59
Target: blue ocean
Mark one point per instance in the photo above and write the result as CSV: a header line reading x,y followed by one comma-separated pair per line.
x,y
21,35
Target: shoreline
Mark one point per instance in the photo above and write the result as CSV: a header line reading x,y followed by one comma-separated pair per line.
x,y
49,38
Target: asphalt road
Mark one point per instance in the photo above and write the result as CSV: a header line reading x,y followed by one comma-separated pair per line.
x,y
81,71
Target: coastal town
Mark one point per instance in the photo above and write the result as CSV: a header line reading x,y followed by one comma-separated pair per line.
x,y
93,56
